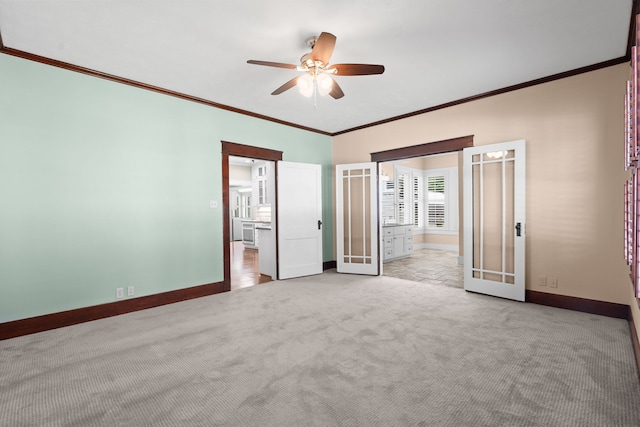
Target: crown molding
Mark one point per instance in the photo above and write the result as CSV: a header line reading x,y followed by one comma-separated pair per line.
x,y
140,85
519,86
635,8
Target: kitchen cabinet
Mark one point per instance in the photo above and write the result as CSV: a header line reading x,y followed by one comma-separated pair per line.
x,y
266,250
249,234
236,229
397,242
259,174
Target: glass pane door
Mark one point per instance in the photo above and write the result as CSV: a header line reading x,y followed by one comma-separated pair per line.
x,y
494,219
357,218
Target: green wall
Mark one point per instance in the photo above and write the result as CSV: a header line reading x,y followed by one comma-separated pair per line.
x,y
103,185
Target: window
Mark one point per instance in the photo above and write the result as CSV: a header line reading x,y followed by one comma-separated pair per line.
x,y
436,212
632,185
402,177
442,200
431,202
418,200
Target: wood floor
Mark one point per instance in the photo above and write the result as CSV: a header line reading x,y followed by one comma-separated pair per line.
x,y
245,270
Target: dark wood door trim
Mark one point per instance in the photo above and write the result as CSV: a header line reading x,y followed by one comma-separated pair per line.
x,y
436,147
239,150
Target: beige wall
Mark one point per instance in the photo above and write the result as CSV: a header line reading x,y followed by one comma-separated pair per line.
x,y
574,133
440,161
436,239
434,162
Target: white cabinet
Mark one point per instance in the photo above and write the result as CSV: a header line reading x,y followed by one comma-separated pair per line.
x,y
259,173
266,250
397,241
262,192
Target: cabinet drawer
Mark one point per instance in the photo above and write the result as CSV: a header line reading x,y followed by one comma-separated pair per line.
x,y
409,229
387,231
388,253
408,239
409,248
388,241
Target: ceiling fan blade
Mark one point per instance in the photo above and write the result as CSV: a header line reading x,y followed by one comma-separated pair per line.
x,y
336,92
288,85
323,49
356,69
272,64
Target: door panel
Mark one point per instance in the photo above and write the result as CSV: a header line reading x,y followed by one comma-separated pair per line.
x,y
299,219
357,218
494,211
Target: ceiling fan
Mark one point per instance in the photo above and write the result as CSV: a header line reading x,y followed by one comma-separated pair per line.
x,y
318,71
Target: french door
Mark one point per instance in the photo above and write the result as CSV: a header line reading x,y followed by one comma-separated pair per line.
x,y
494,219
357,219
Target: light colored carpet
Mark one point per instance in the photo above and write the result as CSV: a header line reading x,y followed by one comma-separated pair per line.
x,y
328,350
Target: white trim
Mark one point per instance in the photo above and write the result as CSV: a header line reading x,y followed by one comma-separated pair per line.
x,y
451,248
423,230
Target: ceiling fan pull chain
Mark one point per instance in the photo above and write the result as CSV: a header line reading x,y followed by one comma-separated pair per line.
x,y
315,93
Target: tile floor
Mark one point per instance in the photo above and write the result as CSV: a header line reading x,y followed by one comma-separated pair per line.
x,y
428,265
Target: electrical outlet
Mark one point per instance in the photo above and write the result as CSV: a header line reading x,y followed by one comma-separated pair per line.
x,y
120,293
553,282
542,281
130,291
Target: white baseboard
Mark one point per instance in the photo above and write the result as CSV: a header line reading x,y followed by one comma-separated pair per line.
x,y
451,248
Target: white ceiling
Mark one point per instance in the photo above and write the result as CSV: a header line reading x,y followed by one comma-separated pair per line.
x,y
434,51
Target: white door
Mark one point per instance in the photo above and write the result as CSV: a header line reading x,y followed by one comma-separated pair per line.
x,y
494,219
357,218
299,225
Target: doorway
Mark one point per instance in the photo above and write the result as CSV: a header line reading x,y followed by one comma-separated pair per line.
x,y
420,215
251,203
244,264
421,219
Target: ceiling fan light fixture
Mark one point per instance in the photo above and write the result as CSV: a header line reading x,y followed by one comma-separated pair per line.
x,y
325,83
305,85
318,70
